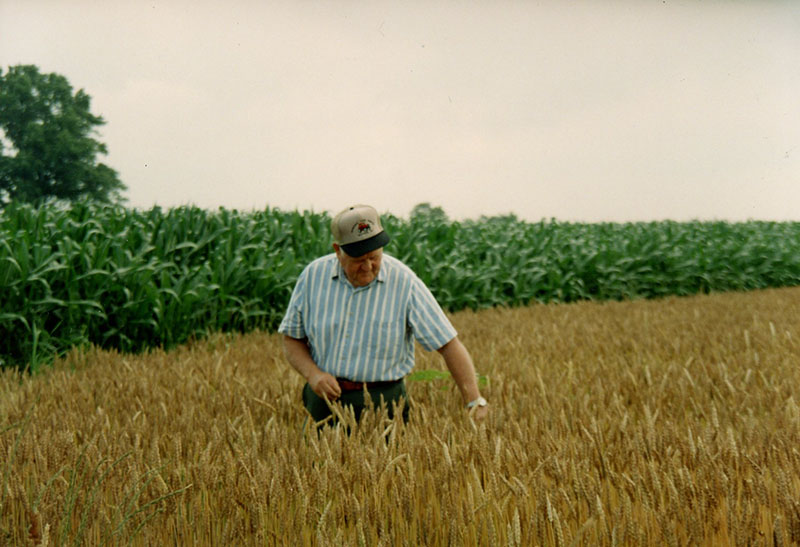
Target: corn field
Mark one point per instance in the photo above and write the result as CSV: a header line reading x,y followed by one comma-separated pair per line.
x,y
88,274
651,422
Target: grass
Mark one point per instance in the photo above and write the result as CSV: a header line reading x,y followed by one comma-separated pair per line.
x,y
672,421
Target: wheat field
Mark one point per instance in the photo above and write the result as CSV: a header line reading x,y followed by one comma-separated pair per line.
x,y
664,422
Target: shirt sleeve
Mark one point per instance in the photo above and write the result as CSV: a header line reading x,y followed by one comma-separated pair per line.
x,y
427,320
292,324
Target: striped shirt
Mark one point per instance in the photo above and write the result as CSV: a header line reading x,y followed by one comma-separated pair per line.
x,y
365,334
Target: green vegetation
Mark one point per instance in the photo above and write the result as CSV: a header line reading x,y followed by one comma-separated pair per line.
x,y
90,273
50,130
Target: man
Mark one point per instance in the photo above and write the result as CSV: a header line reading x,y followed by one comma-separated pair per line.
x,y
353,318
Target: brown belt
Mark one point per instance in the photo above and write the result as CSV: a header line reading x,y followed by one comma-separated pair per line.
x,y
349,385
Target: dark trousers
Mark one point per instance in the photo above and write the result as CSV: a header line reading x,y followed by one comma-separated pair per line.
x,y
388,395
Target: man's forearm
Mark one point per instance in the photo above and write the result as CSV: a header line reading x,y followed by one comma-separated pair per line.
x,y
459,363
299,356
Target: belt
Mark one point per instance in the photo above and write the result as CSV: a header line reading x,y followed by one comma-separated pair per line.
x,y
349,385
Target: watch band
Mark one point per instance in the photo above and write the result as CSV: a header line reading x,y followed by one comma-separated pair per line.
x,y
480,401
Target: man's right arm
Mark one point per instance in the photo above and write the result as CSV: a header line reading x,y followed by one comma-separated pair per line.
x,y
299,356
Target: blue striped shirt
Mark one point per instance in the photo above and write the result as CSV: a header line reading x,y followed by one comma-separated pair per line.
x,y
365,334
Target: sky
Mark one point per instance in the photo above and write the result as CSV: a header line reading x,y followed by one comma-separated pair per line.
x,y
586,111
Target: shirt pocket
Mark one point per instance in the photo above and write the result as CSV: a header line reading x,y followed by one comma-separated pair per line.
x,y
386,337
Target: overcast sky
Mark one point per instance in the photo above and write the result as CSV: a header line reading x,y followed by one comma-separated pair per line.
x,y
584,111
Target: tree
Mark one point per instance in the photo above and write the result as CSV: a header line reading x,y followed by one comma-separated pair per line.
x,y
47,144
426,210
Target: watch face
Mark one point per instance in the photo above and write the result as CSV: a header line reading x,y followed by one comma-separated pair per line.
x,y
480,401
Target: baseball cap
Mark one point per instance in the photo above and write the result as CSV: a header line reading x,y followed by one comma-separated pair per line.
x,y
357,230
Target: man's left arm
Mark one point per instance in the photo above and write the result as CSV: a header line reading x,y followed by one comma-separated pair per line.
x,y
459,363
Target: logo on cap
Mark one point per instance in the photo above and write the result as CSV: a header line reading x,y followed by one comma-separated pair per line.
x,y
362,227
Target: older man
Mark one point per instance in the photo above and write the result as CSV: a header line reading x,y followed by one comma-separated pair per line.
x,y
353,318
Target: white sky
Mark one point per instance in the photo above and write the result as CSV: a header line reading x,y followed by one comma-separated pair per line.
x,y
585,111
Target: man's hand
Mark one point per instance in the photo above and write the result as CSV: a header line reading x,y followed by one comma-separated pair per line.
x,y
479,413
325,385
299,356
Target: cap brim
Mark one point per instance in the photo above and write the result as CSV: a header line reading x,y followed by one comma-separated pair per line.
x,y
359,248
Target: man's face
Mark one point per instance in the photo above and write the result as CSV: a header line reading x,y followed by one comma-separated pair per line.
x,y
360,271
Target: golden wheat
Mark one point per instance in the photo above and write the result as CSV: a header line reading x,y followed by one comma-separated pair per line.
x,y
649,422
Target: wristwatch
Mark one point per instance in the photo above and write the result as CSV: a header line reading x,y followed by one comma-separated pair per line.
x,y
480,401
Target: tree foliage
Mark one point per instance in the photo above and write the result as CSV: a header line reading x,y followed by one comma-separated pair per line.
x,y
427,211
47,144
